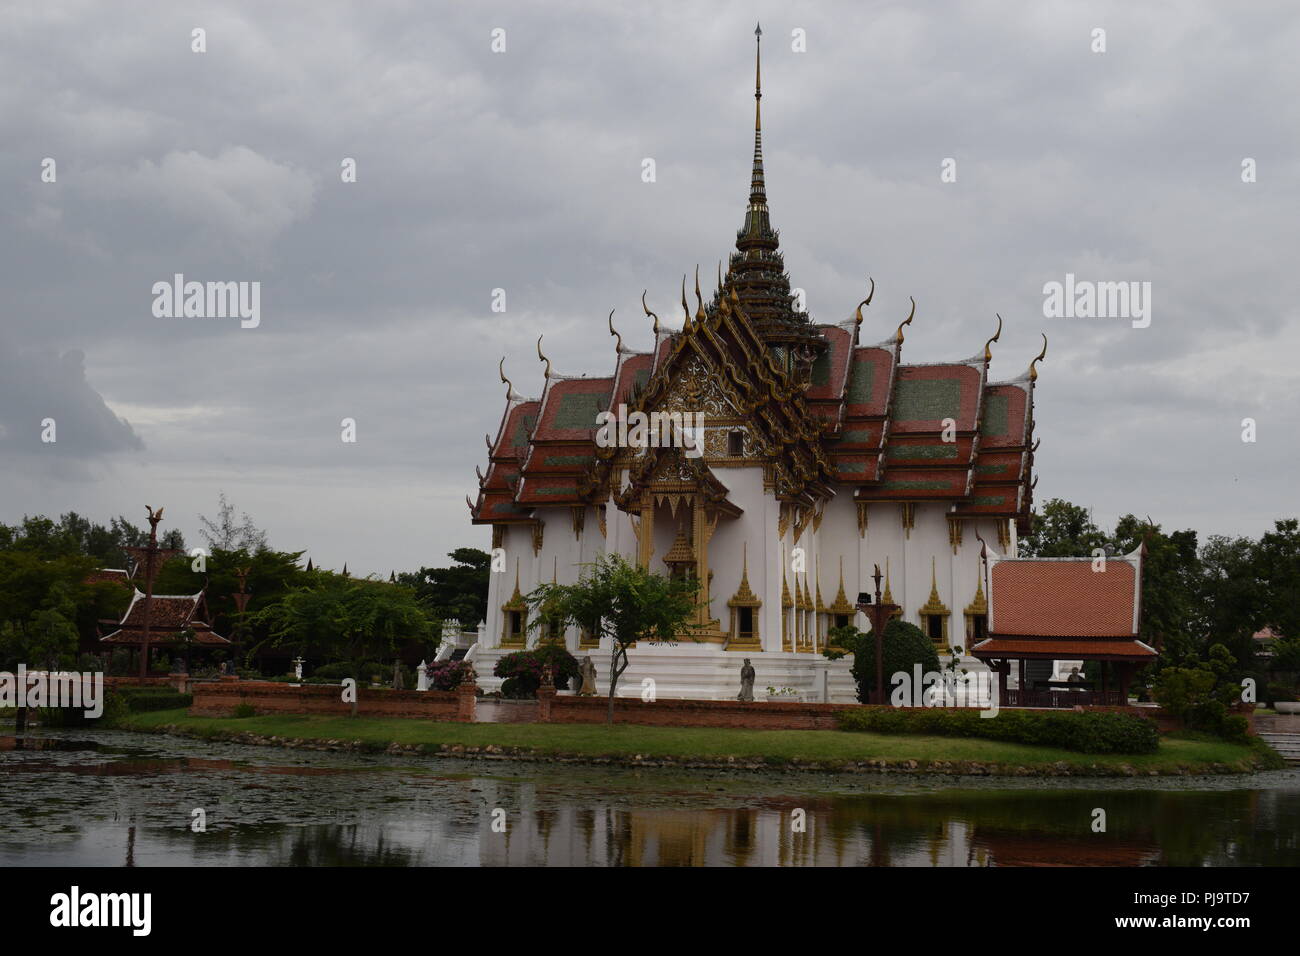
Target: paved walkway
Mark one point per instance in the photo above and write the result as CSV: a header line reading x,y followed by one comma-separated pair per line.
x,y
491,710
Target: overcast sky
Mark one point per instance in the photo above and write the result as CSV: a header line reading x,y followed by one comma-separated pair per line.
x,y
522,170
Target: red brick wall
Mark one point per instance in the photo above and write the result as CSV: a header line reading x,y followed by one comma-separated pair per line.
x,y
219,699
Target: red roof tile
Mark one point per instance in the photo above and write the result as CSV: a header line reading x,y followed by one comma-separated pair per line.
x,y
1063,597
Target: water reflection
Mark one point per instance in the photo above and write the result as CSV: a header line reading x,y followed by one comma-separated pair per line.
x,y
119,801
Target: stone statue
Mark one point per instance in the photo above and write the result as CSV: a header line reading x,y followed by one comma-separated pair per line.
x,y
422,673
746,681
398,683
548,675
587,671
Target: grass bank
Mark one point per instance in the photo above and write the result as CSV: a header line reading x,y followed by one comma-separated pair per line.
x,y
698,746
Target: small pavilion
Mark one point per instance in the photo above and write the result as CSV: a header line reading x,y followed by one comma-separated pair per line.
x,y
170,617
1065,609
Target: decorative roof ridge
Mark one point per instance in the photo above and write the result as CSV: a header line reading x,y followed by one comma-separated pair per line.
x,y
169,597
1133,557
973,362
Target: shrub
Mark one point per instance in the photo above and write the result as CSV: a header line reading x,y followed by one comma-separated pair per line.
x,y
447,675
141,699
522,670
243,710
368,671
115,709
1280,692
905,645
1084,731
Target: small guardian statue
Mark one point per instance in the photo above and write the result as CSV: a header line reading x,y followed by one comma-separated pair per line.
x,y
587,671
746,682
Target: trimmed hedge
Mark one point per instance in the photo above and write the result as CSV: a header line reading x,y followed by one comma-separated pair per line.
x,y
140,699
1084,731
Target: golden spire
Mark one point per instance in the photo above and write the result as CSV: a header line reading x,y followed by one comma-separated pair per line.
x,y
887,597
934,582
842,605
757,189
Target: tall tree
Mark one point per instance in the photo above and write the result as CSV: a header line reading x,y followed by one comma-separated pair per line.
x,y
1171,574
623,602
457,592
1062,530
349,619
224,532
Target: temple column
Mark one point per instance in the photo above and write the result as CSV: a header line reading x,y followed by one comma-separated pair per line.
x,y
646,530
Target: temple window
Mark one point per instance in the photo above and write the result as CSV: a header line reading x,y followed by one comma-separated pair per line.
x,y
977,617
736,444
744,606
934,613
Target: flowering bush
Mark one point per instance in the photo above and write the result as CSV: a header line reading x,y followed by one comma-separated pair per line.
x,y
523,670
447,675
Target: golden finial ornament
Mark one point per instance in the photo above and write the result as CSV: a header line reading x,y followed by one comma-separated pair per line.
x,y
988,352
1033,371
898,336
618,339
857,316
547,373
647,311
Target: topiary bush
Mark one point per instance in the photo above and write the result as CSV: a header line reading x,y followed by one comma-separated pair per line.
x,y
522,670
1084,731
905,645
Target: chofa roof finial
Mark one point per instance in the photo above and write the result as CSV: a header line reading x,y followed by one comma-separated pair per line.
x,y
510,389
547,373
647,311
898,336
1033,372
857,316
618,343
988,352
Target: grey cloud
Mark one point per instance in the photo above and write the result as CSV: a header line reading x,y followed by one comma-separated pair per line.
x,y
521,171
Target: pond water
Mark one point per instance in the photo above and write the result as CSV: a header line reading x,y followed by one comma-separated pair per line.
x,y
107,798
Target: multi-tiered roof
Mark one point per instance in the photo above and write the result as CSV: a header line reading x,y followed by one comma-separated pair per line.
x,y
821,409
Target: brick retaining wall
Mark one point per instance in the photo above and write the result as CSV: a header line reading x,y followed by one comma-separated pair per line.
x,y
219,699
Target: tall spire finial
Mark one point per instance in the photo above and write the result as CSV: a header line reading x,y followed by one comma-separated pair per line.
x,y
757,188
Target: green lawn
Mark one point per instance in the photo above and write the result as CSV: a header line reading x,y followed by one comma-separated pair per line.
x,y
771,746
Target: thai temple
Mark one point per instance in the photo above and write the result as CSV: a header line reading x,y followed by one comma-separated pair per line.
x,y
820,454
